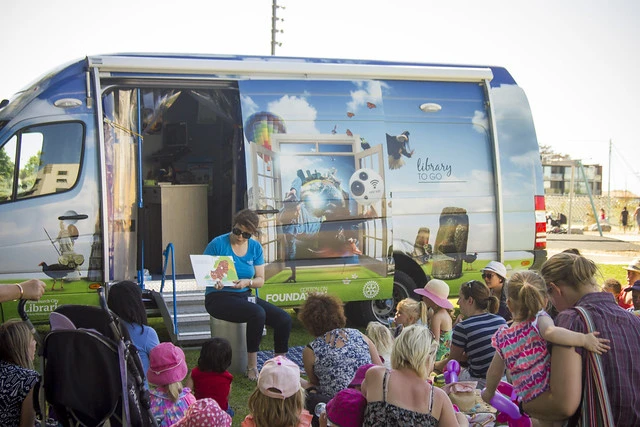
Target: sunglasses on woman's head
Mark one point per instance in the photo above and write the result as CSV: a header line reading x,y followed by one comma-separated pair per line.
x,y
487,275
238,232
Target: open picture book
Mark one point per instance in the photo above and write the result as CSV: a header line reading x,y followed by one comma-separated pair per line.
x,y
209,269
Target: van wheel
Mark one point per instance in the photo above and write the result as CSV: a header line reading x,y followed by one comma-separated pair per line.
x,y
360,313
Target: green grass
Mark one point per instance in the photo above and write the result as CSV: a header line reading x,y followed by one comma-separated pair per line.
x,y
609,271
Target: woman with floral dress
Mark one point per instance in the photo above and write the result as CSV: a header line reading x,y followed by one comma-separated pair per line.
x,y
331,360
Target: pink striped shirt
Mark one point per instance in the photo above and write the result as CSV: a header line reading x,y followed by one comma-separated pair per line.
x,y
525,354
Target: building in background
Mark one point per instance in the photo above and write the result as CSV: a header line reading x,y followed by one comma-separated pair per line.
x,y
557,175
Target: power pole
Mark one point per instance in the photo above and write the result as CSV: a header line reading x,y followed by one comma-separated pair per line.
x,y
274,23
609,180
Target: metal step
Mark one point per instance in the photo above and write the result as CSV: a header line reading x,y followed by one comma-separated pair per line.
x,y
192,317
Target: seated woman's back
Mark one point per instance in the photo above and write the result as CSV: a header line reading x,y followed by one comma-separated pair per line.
x,y
414,399
338,354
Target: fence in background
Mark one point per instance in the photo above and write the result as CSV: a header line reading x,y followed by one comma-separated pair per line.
x,y
581,213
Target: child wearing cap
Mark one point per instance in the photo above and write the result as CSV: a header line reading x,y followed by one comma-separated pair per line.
x,y
167,368
633,274
278,400
635,297
434,295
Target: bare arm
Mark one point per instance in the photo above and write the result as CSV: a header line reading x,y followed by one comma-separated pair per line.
x,y
436,327
255,283
373,351
371,387
308,359
456,353
562,336
494,374
189,383
32,289
448,417
563,398
27,413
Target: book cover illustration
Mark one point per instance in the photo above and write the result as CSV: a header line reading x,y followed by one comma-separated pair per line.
x,y
209,269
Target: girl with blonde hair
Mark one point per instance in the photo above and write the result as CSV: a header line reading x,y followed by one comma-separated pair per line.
x,y
410,312
382,338
278,400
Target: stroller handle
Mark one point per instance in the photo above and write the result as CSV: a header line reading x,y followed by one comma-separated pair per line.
x,y
101,297
25,318
21,311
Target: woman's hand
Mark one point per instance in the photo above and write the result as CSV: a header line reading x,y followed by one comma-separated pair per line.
x,y
242,283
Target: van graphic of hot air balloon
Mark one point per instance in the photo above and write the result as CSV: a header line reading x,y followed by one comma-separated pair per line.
x,y
259,128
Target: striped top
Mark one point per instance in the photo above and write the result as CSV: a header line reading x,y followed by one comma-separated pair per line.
x,y
525,355
474,335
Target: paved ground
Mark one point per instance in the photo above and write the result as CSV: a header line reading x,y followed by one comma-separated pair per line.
x,y
610,248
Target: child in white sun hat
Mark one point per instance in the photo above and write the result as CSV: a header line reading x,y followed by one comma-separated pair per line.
x,y
434,295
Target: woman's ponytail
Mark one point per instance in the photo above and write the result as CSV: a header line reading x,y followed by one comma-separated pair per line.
x,y
493,304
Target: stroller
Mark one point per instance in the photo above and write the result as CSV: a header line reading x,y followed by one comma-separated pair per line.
x,y
89,363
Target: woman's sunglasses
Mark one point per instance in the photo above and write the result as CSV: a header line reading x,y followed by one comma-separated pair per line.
x,y
487,276
238,232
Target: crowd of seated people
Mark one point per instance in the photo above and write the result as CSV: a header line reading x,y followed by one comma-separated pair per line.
x,y
347,383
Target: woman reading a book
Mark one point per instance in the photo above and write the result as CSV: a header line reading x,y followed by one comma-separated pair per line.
x,y
236,302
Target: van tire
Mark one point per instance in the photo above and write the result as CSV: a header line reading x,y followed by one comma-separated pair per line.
x,y
360,313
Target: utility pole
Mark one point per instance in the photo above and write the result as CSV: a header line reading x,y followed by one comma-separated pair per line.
x,y
274,23
609,180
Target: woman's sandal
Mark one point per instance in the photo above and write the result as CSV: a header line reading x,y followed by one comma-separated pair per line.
x,y
252,374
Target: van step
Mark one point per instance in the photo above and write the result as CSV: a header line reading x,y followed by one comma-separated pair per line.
x,y
194,324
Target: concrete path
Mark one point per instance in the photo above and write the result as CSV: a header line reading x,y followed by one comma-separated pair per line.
x,y
610,248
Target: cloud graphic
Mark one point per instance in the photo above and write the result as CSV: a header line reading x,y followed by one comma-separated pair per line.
x,y
298,114
249,106
366,92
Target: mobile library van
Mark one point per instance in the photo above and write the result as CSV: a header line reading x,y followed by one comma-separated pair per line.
x,y
369,176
